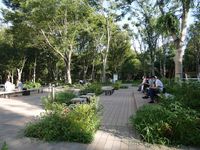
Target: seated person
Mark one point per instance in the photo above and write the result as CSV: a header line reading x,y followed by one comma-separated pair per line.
x,y
19,85
158,88
9,86
145,84
81,82
140,87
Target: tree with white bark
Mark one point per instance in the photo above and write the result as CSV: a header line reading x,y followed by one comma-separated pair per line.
x,y
59,23
174,21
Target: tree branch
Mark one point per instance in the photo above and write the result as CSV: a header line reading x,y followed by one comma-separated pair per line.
x,y
48,42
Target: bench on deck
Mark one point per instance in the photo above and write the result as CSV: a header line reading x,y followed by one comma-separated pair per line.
x,y
108,90
23,92
78,100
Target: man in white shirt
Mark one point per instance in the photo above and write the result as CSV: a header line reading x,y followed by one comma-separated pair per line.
x,y
9,86
156,89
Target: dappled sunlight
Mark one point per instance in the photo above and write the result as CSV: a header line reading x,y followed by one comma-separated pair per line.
x,y
20,107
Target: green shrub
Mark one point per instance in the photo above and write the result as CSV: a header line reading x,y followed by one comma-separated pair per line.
x,y
117,85
64,97
31,85
60,98
168,123
136,82
185,123
76,123
92,88
4,146
175,120
151,127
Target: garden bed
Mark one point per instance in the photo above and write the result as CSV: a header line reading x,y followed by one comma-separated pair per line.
x,y
65,122
174,120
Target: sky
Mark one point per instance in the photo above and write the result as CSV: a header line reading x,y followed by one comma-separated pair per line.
x,y
1,6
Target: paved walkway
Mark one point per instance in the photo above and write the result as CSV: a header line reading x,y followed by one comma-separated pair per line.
x,y
115,132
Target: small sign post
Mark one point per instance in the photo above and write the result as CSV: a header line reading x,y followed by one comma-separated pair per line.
x,y
115,78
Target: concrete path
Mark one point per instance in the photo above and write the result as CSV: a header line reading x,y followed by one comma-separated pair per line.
x,y
115,132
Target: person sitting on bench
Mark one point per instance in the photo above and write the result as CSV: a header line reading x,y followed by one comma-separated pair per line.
x,y
158,88
9,86
19,85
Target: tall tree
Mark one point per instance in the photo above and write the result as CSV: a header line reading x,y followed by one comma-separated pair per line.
x,y
119,47
105,8
176,27
142,15
192,57
58,22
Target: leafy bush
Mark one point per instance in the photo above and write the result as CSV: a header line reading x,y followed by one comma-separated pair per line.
x,y
4,147
64,97
60,98
92,88
31,85
76,123
136,82
151,128
168,123
117,85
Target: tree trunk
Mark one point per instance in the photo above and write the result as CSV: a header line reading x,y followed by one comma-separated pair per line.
x,y
161,69
92,74
179,62
105,55
19,74
104,69
34,70
178,59
164,67
152,69
152,62
164,56
67,61
198,62
20,70
85,72
12,76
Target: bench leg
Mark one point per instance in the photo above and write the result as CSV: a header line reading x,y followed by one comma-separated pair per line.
x,y
106,93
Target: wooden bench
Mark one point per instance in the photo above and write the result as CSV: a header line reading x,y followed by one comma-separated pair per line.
x,y
23,92
8,94
87,97
78,100
91,94
108,90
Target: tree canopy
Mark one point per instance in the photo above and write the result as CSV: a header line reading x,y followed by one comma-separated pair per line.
x,y
69,40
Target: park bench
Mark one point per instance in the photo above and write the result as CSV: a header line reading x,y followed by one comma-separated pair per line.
x,y
6,94
78,100
87,97
108,90
91,94
82,99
